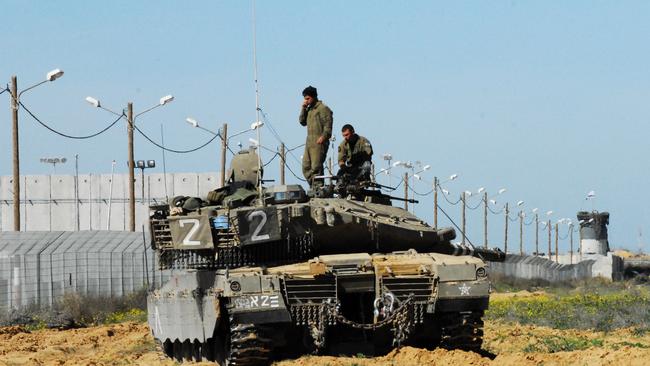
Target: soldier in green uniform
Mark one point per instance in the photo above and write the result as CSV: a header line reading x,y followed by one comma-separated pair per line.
x,y
318,119
355,154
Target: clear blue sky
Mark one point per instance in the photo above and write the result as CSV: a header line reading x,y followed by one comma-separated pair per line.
x,y
547,99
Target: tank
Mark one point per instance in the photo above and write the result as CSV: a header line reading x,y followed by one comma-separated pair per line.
x,y
275,273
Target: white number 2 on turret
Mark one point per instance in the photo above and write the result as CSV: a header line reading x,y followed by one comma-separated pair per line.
x,y
256,233
195,227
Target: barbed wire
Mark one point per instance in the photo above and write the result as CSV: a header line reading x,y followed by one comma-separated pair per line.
x,y
66,135
173,150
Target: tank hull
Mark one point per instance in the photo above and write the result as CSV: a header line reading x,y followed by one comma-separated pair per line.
x,y
325,305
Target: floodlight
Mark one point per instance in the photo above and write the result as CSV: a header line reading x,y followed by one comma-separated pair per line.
x,y
480,190
253,141
502,190
453,176
256,125
494,202
445,191
426,167
397,163
140,164
468,193
535,210
151,163
549,213
519,203
388,157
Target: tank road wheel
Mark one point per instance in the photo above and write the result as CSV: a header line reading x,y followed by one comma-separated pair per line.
x,y
463,330
245,344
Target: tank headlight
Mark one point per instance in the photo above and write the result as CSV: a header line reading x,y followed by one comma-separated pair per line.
x,y
235,286
481,272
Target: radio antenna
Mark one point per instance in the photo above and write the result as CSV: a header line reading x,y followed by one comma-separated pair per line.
x,y
257,111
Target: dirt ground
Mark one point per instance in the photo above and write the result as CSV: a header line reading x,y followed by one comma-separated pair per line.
x,y
131,344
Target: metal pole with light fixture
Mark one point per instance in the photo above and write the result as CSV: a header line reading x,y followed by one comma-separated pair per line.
x,y
130,120
505,244
15,104
283,162
463,222
142,165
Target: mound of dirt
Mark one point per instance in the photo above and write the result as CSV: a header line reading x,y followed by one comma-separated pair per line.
x,y
506,344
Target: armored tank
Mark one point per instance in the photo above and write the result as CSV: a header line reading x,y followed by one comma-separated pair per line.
x,y
273,273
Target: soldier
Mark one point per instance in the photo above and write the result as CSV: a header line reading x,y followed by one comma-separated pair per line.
x,y
355,154
318,119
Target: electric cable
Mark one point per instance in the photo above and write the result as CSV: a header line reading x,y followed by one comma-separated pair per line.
x,y
173,150
475,207
495,212
271,160
66,135
448,201
453,223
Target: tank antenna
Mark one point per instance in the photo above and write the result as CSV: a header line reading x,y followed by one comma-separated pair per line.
x,y
257,112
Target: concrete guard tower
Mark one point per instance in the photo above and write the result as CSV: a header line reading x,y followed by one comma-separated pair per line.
x,y
593,232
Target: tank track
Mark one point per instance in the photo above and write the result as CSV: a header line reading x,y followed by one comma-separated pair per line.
x,y
462,330
248,345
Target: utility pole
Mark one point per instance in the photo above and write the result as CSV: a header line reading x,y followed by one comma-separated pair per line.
x,y
571,244
16,162
435,202
224,147
536,234
556,244
521,232
129,129
283,157
548,224
505,245
406,191
462,199
485,224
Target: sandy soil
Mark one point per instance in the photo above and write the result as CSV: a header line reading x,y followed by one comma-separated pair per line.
x,y
131,344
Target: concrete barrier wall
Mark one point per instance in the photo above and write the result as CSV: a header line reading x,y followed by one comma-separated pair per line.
x,y
531,267
51,202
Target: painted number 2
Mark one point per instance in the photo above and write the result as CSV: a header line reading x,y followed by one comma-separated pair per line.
x,y
187,240
256,233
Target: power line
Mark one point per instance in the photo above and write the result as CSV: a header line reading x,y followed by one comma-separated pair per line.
x,y
172,150
66,135
271,160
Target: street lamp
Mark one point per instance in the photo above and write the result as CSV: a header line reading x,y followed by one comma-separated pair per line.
x,y
15,103
142,165
130,119
53,161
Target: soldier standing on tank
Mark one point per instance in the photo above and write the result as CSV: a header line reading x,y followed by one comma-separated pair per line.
x,y
355,154
318,118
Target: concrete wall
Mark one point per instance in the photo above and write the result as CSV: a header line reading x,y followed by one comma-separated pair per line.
x,y
531,267
51,202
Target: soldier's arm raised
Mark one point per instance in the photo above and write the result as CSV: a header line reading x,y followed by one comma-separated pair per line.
x,y
303,116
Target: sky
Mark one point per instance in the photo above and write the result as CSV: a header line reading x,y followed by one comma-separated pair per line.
x,y
546,99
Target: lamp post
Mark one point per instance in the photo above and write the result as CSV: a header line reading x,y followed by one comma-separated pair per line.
x,y
130,119
142,165
15,105
436,185
487,199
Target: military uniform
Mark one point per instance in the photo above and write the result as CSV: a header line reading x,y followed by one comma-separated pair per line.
x,y
318,120
353,154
